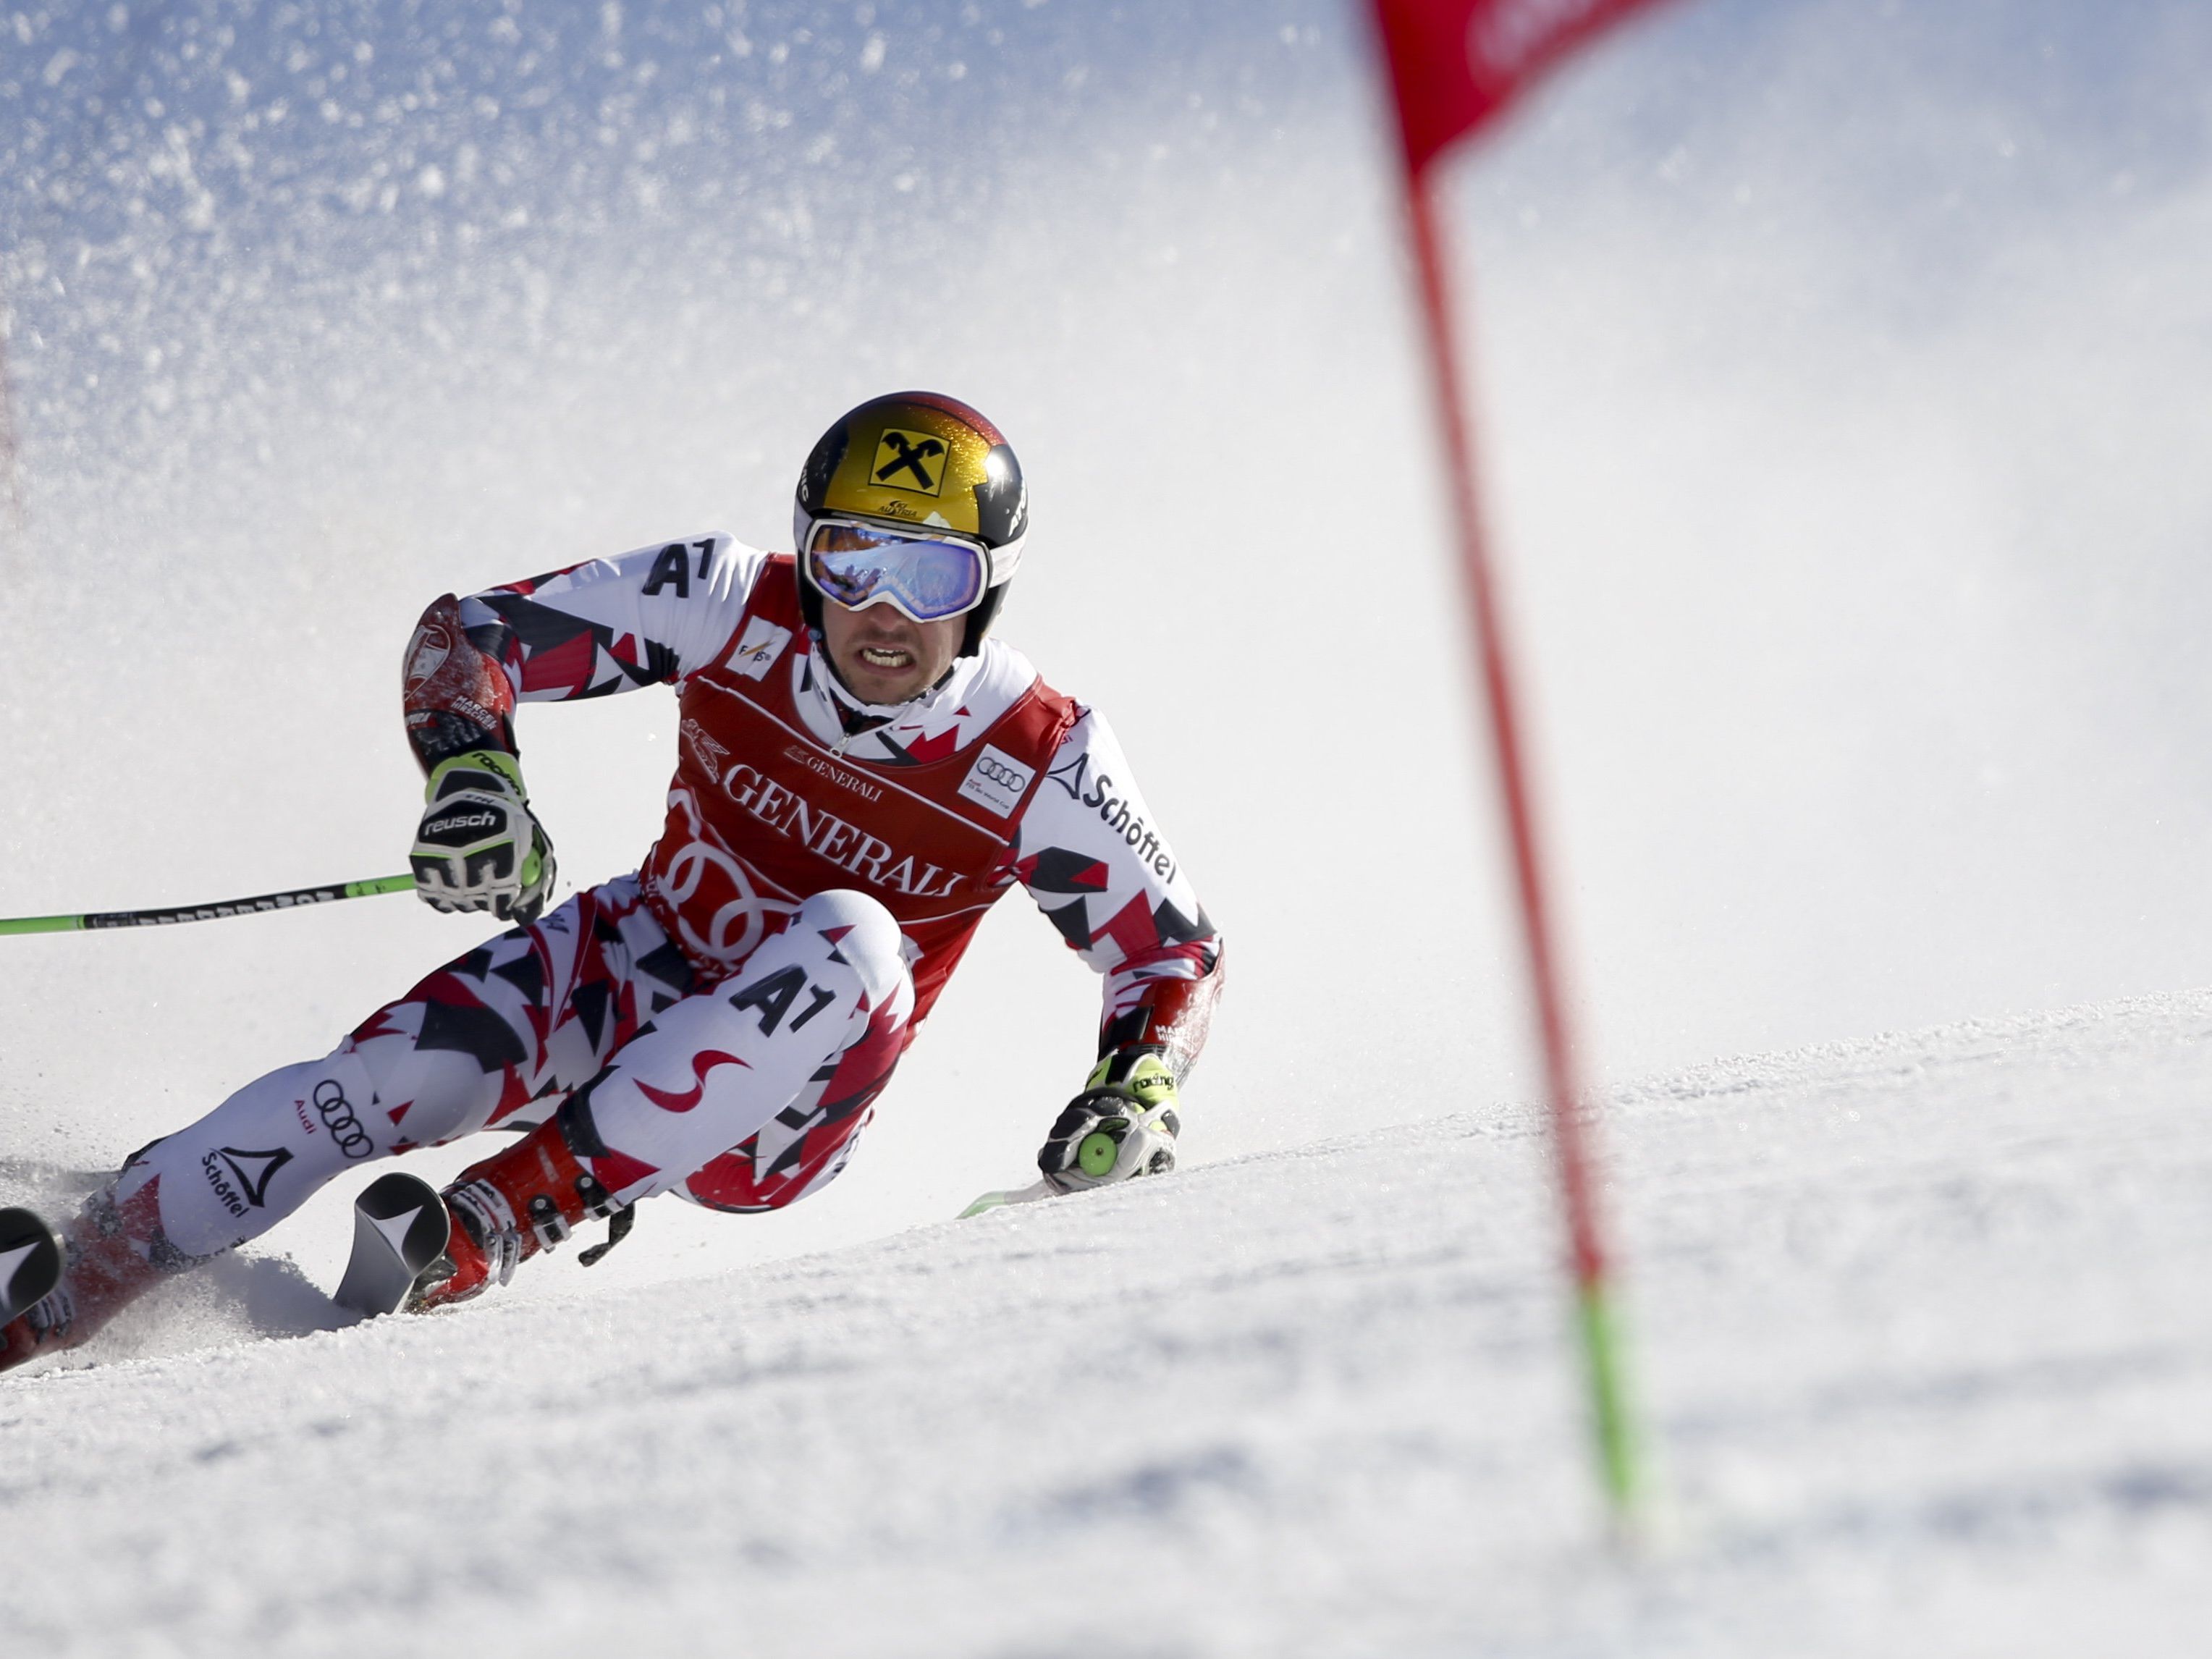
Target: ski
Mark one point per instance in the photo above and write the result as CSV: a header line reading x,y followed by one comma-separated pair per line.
x,y
31,1261
399,1228
1029,1195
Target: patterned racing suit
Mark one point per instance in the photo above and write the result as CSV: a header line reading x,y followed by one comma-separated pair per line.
x,y
720,1022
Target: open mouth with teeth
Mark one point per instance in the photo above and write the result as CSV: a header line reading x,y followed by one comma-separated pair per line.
x,y
886,656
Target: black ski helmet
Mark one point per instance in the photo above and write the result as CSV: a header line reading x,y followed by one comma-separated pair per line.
x,y
918,461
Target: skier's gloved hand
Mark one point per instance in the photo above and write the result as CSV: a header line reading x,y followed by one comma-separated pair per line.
x,y
479,845
1121,1126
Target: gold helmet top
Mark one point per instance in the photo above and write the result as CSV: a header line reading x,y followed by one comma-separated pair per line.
x,y
924,461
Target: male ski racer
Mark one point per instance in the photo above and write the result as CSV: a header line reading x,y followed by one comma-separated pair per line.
x,y
862,772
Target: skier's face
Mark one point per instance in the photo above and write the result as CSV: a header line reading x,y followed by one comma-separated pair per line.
x,y
885,656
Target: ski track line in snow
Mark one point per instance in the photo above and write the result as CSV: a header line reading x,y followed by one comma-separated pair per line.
x,y
1919,1323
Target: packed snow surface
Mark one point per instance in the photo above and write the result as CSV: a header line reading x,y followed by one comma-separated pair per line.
x,y
1921,1333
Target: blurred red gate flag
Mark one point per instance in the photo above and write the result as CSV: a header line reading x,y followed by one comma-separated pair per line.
x,y
1454,63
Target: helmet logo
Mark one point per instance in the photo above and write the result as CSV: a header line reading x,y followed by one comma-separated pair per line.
x,y
910,460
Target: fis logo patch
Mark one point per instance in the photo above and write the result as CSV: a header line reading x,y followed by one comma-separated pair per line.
x,y
764,643
997,781
910,460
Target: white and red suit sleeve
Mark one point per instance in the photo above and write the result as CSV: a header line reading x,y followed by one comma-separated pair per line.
x,y
1093,857
645,618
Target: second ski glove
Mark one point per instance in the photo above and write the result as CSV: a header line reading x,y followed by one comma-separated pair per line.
x,y
1121,1126
479,845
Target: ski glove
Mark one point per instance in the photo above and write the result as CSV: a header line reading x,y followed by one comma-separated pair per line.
x,y
480,847
1121,1126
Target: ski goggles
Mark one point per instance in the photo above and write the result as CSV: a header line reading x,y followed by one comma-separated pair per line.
x,y
926,579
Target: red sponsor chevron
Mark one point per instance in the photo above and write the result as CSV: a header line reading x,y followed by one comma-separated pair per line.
x,y
380,1024
564,667
1132,927
936,748
1067,875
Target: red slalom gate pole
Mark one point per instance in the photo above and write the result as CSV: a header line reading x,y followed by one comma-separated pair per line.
x,y
1586,1256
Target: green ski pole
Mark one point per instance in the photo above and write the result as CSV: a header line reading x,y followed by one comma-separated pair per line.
x,y
243,907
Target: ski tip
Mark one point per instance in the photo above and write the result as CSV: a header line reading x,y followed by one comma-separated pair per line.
x,y
399,1228
1000,1200
31,1260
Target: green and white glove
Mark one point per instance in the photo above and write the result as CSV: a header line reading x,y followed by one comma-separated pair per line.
x,y
1123,1125
479,845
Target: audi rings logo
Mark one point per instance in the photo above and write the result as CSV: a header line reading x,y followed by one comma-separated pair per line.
x,y
336,1113
997,781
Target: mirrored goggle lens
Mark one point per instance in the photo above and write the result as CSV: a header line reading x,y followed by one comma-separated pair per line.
x,y
927,580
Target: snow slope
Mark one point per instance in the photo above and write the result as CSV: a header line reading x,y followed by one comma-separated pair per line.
x,y
1921,1323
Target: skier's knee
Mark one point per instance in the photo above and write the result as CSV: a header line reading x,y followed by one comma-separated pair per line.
x,y
439,1093
863,935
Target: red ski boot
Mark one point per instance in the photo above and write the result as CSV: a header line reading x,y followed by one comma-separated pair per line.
x,y
508,1208
107,1269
